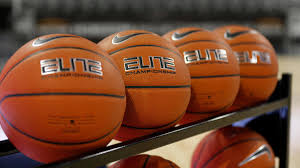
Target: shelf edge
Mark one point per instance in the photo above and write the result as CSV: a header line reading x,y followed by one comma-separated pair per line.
x,y
140,145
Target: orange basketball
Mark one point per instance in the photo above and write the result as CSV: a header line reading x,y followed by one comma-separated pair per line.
x,y
213,68
156,79
61,96
144,161
258,64
233,147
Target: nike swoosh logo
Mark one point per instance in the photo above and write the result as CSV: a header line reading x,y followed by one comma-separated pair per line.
x,y
118,40
178,36
39,42
229,35
262,150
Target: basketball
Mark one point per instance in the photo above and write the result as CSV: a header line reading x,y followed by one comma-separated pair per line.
x,y
61,96
258,64
213,68
144,161
156,78
233,147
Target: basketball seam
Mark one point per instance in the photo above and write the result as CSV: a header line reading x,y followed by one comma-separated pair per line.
x,y
140,87
254,43
229,146
53,38
185,34
59,143
165,125
48,49
170,163
214,76
129,36
266,76
213,41
60,93
250,64
146,161
144,45
202,149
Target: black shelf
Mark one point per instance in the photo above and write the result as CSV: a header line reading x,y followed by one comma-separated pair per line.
x,y
281,98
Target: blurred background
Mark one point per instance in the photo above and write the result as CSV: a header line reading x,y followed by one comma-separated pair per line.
x,y
278,20
22,20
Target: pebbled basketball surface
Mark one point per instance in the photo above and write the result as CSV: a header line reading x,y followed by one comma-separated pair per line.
x,y
156,79
53,116
144,161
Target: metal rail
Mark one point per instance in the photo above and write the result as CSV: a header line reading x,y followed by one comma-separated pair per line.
x,y
123,150
281,98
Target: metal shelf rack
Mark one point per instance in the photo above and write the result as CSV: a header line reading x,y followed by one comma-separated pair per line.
x,y
271,119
